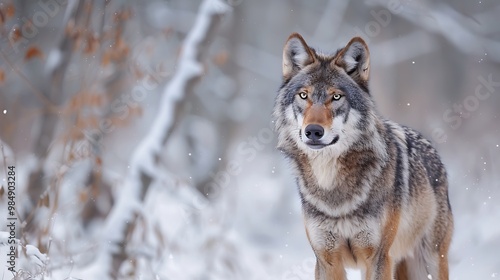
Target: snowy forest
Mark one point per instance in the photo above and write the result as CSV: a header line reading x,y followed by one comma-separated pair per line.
x,y
136,138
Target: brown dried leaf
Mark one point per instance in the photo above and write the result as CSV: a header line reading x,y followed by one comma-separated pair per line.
x,y
70,28
118,121
94,190
33,52
2,18
137,71
83,196
123,15
71,156
6,13
106,58
221,58
10,11
96,100
44,201
73,103
2,76
136,111
122,49
98,161
28,25
127,14
15,33
78,39
92,44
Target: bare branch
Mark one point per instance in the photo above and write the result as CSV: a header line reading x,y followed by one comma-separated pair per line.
x,y
56,66
38,93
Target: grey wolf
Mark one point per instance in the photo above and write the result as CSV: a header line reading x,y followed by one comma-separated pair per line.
x,y
374,193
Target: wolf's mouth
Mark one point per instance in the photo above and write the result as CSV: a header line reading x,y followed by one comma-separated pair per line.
x,y
316,145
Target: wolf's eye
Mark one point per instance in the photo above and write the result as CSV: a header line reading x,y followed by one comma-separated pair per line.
x,y
337,97
303,95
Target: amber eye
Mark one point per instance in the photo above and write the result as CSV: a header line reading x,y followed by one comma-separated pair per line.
x,y
303,95
337,97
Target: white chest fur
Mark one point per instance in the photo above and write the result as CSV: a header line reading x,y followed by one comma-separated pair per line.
x,y
324,168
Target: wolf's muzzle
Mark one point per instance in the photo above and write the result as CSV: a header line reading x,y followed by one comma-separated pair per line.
x,y
316,144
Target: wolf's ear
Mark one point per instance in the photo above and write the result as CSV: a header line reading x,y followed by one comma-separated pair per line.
x,y
355,59
296,55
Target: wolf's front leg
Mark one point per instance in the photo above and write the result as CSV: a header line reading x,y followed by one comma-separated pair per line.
x,y
330,267
380,268
380,265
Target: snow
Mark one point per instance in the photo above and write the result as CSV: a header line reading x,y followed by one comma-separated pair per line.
x,y
31,264
35,255
4,237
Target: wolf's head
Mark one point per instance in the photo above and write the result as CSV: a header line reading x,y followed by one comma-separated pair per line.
x,y
324,103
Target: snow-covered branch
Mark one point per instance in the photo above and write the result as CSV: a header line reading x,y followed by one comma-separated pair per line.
x,y
144,160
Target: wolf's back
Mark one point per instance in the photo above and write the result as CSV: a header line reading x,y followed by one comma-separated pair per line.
x,y
420,150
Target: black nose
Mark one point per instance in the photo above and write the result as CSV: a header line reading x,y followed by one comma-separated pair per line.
x,y
314,131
